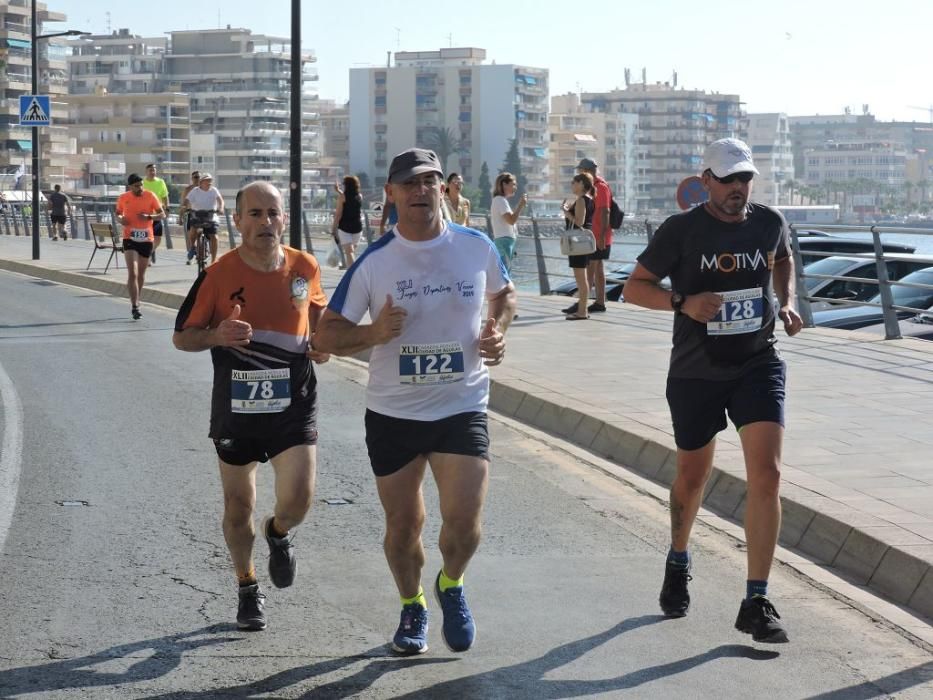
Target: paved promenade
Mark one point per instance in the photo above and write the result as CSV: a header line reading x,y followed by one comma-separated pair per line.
x,y
858,473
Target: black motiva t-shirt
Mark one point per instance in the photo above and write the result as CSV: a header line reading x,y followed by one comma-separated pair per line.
x,y
700,253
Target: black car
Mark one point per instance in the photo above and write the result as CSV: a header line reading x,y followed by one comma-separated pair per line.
x,y
854,317
615,279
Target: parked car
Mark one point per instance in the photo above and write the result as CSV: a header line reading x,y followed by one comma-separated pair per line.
x,y
860,316
847,266
812,244
614,278
919,326
615,281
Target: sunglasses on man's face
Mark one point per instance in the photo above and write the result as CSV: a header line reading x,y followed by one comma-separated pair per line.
x,y
744,178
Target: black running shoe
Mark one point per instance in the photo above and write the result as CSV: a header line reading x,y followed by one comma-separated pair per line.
x,y
674,598
758,618
250,614
596,307
282,563
572,309
136,313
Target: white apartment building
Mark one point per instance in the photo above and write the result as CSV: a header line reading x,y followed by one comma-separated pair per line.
x,y
674,127
450,100
608,138
55,147
239,86
769,139
881,163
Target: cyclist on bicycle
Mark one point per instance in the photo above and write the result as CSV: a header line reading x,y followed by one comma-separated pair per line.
x,y
203,198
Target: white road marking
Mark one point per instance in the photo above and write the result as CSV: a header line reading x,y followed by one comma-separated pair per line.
x,y
11,452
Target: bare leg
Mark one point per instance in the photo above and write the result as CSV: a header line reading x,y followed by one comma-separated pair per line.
x,y
761,444
693,470
239,488
403,504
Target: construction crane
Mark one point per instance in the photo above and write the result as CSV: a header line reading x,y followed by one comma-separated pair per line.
x,y
928,110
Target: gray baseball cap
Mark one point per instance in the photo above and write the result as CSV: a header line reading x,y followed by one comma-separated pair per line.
x,y
414,161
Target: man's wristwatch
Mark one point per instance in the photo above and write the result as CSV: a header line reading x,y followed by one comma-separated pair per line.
x,y
677,301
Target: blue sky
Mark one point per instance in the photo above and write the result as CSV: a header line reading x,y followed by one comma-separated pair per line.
x,y
794,56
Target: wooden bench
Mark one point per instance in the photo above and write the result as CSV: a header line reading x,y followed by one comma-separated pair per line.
x,y
105,238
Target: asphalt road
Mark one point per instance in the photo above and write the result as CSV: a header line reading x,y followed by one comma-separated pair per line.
x,y
117,582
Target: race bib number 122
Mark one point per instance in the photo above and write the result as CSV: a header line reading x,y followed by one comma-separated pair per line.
x,y
437,363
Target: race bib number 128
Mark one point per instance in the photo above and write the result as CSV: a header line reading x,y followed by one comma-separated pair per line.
x,y
741,312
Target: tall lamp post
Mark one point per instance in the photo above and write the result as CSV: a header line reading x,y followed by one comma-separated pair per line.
x,y
35,129
294,155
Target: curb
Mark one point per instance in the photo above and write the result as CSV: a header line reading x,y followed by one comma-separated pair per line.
x,y
830,535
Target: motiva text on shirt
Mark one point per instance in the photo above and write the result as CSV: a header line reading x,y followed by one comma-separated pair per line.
x,y
731,262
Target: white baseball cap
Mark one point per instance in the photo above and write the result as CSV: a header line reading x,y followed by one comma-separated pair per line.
x,y
727,156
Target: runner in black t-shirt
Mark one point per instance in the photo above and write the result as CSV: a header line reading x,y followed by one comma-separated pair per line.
x,y
721,258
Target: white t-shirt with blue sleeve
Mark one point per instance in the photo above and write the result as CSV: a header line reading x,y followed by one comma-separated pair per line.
x,y
434,369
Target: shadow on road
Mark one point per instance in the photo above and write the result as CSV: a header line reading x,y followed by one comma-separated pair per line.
x,y
882,687
526,680
167,653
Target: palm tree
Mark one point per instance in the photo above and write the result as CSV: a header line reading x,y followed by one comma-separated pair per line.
x,y
444,142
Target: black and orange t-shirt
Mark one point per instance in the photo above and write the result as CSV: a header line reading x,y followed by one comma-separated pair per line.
x,y
271,380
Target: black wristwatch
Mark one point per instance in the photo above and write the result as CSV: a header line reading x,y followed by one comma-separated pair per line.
x,y
677,301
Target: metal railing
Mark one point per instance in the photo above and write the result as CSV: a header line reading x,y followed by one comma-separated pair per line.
x,y
889,309
538,264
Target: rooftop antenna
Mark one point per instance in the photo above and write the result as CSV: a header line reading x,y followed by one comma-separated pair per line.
x,y
398,38
450,40
107,14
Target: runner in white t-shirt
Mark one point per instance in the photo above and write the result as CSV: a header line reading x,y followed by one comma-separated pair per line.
x,y
424,285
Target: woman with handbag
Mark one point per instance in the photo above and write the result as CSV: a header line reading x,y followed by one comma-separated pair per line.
x,y
579,217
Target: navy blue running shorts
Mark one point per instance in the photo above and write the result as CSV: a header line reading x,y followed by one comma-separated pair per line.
x,y
394,442
157,228
240,452
699,406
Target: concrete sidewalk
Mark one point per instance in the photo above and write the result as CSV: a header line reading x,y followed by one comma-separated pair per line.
x,y
858,475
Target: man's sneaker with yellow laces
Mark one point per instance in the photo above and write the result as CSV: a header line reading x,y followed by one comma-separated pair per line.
x,y
458,628
758,617
411,637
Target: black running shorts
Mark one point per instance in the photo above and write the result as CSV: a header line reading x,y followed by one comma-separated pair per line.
x,y
699,406
144,248
394,442
242,452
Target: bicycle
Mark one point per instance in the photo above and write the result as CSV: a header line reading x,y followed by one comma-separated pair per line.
x,y
200,220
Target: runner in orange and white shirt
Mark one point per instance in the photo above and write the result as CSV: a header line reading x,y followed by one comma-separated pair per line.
x,y
256,310
137,209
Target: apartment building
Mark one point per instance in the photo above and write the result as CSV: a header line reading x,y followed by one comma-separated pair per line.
x,y
452,101
674,127
55,146
239,87
769,139
118,63
136,128
608,138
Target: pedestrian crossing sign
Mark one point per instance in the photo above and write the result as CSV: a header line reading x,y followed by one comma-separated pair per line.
x,y
34,110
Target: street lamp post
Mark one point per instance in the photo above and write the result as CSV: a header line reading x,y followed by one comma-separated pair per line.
x,y
35,129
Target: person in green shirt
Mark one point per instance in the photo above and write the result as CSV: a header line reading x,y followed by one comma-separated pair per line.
x,y
157,186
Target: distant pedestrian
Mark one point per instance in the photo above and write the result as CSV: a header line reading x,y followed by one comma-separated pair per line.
x,y
504,220
389,216
602,231
59,208
728,260
347,228
457,204
579,214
